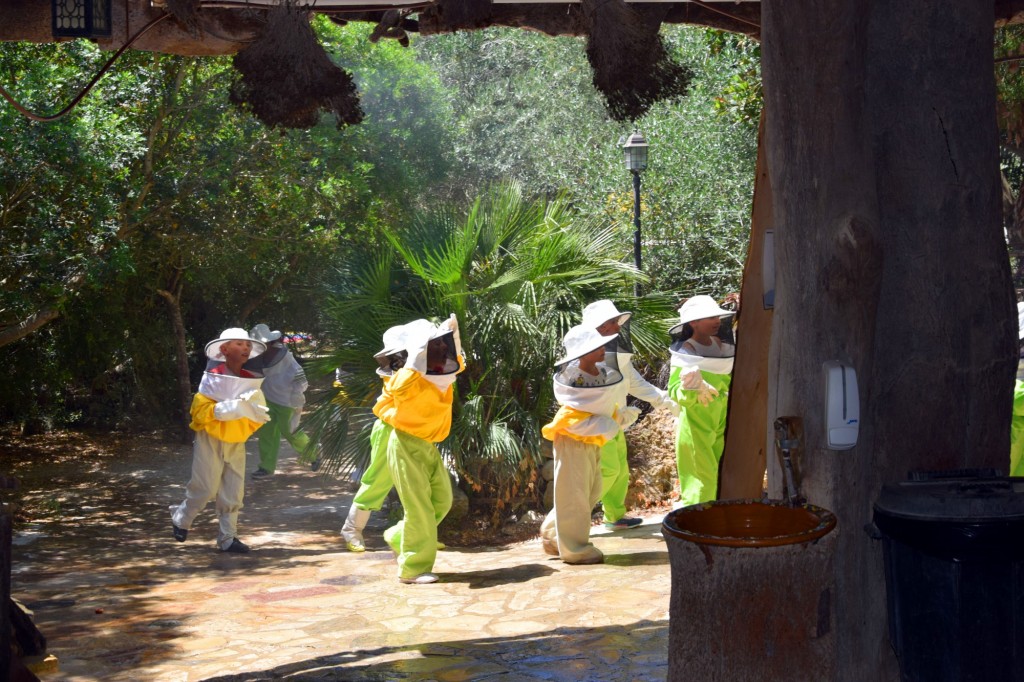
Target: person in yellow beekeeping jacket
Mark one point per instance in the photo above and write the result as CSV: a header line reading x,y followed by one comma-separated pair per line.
x,y
228,408
418,408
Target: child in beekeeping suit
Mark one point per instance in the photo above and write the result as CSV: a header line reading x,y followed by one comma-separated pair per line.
x,y
589,416
284,385
419,410
699,382
228,408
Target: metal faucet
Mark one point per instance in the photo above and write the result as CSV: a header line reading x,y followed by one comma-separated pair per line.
x,y
787,440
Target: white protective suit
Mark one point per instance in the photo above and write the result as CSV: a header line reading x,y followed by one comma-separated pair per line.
x,y
589,417
225,412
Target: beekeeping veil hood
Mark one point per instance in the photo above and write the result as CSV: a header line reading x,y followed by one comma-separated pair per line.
x,y
583,390
685,353
435,351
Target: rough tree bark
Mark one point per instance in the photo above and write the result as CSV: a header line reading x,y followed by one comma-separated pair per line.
x,y
882,149
173,297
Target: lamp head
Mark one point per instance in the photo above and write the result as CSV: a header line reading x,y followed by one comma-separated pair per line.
x,y
635,150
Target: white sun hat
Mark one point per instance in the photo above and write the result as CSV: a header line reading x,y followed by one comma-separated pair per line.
x,y
394,341
261,332
580,340
233,334
698,308
599,312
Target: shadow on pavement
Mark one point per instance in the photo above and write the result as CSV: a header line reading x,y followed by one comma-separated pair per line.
x,y
599,654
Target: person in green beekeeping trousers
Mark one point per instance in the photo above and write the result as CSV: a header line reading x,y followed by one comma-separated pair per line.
x,y
701,371
419,411
284,384
1017,421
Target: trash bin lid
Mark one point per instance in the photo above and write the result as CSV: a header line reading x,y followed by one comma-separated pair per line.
x,y
973,500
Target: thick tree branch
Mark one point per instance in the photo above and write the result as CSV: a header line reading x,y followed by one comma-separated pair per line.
x,y
27,326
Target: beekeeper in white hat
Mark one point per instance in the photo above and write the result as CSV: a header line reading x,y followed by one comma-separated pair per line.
x,y
418,407
284,385
608,320
376,483
228,408
590,415
699,381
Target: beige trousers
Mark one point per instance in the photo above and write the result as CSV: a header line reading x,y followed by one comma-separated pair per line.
x,y
577,490
218,471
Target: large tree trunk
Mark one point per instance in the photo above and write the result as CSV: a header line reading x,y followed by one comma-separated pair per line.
x,y
881,146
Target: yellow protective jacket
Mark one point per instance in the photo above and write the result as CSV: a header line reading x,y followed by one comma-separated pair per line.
x,y
217,387
413,404
233,431
569,421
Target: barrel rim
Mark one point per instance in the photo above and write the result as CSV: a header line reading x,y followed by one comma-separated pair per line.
x,y
826,523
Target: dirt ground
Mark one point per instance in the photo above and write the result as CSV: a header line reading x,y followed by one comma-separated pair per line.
x,y
69,454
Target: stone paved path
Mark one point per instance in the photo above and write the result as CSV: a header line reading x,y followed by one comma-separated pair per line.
x,y
118,599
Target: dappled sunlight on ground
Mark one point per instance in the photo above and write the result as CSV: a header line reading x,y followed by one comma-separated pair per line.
x,y
119,599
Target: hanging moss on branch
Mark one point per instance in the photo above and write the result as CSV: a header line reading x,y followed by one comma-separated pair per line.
x,y
186,12
632,68
287,79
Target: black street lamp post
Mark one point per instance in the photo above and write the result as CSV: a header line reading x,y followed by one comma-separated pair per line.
x,y
635,150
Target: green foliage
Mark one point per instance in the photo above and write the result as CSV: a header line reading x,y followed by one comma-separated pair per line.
x,y
1009,43
526,110
155,183
517,273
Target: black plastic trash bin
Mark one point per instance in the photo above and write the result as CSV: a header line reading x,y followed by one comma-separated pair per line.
x,y
954,575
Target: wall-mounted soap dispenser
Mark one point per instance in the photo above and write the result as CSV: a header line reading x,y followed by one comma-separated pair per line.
x,y
842,405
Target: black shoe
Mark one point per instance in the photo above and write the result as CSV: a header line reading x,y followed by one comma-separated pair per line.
x,y
237,547
260,473
315,464
180,534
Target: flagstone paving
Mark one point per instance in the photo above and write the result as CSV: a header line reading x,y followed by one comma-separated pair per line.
x,y
119,599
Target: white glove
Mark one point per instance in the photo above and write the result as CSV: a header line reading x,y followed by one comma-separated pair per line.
x,y
706,393
692,380
255,406
627,416
228,410
672,406
293,424
252,394
256,412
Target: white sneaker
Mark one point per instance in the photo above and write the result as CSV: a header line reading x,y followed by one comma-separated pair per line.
x,y
353,540
421,579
